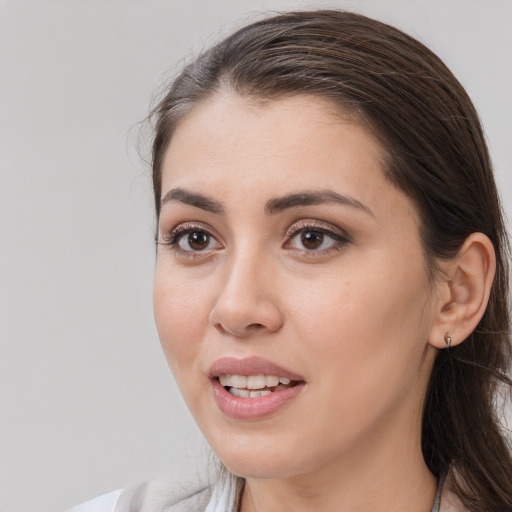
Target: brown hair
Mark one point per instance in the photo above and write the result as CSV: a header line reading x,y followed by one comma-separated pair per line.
x,y
436,155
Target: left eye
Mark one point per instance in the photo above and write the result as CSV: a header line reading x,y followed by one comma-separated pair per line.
x,y
196,240
314,239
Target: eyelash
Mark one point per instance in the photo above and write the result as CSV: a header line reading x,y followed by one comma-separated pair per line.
x,y
338,236
173,238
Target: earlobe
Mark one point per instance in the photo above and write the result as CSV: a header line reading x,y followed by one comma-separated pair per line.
x,y
463,296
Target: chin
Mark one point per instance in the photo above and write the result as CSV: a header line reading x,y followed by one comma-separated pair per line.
x,y
258,469
261,461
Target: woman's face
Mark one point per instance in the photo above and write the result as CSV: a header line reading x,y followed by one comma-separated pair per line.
x,y
285,252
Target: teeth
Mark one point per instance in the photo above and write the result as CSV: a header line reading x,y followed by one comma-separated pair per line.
x,y
242,386
225,380
271,381
238,381
241,393
256,381
252,381
245,393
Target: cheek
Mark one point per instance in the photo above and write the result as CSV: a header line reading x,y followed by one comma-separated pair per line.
x,y
181,318
371,327
362,340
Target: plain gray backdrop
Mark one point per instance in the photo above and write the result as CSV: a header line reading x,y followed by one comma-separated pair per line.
x,y
87,403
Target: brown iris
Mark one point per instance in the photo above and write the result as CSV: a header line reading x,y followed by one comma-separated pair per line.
x,y
198,240
312,239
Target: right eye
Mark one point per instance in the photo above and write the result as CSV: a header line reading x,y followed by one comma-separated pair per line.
x,y
189,240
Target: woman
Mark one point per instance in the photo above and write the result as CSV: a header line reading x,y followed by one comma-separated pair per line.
x,y
331,276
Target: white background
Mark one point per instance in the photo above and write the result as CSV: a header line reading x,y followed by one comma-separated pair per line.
x,y
86,401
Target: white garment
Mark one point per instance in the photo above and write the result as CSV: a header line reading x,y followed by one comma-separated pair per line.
x,y
105,503
222,499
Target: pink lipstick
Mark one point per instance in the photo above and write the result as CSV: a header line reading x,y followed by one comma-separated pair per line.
x,y
253,388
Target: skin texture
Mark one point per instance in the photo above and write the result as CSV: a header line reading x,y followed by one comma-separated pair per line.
x,y
355,317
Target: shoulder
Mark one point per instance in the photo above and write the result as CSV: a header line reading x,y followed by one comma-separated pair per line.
x,y
166,495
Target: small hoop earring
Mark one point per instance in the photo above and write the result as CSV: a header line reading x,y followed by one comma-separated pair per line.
x,y
448,341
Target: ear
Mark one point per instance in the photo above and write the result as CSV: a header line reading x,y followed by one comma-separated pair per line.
x,y
463,295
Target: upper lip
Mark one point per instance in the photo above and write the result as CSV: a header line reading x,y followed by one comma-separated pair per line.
x,y
250,366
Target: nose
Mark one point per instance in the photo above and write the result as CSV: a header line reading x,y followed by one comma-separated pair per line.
x,y
247,302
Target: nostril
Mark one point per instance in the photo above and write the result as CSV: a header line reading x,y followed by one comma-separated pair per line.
x,y
255,326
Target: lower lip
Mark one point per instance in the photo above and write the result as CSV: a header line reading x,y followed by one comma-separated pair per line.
x,y
253,408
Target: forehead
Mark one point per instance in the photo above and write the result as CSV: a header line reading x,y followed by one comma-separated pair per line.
x,y
289,139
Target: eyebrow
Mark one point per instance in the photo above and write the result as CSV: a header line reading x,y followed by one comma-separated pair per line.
x,y
314,197
273,206
193,199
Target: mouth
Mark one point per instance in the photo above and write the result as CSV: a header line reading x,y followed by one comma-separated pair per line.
x,y
253,388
